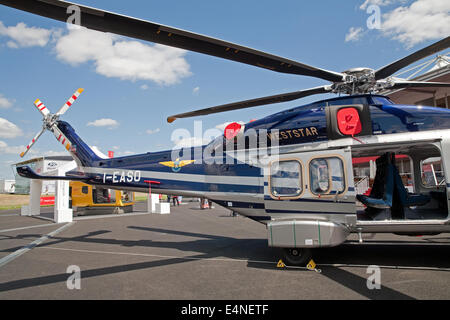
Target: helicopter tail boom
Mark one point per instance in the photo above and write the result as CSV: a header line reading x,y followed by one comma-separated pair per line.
x,y
27,172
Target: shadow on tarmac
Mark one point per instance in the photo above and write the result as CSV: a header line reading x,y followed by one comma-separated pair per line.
x,y
258,255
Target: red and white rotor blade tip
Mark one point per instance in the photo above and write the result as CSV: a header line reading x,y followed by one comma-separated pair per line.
x,y
32,142
41,107
61,138
69,102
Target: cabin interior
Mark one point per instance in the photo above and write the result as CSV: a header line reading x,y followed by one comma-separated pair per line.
x,y
400,182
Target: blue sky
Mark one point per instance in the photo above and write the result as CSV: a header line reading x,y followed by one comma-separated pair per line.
x,y
329,34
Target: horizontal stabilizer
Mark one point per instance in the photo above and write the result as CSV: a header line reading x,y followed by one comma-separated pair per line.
x,y
27,172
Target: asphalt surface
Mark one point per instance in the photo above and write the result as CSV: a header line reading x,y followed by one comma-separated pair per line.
x,y
204,254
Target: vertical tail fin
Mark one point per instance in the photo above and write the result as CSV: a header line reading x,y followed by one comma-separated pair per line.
x,y
79,150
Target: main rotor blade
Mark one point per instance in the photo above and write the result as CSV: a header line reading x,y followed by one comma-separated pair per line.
x,y
418,84
33,141
252,103
390,69
145,30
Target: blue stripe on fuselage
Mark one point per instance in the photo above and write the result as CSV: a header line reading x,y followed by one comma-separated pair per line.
x,y
171,184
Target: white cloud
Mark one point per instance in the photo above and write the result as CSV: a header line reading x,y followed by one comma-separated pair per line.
x,y
7,149
35,152
196,91
110,123
22,36
111,55
17,150
50,153
149,131
9,130
423,20
380,3
127,60
4,148
5,103
354,34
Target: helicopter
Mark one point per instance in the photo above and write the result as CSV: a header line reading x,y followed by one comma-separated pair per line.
x,y
292,170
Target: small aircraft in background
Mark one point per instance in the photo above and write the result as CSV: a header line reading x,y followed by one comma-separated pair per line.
x,y
292,170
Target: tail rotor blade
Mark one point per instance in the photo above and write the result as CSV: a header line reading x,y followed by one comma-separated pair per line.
x,y
32,143
61,138
41,107
69,102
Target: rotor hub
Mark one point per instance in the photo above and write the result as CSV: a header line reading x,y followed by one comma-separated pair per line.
x,y
356,81
50,120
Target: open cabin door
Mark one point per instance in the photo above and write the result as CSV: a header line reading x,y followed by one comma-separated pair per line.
x,y
310,185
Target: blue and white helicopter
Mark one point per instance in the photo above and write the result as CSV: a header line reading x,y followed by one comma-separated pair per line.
x,y
294,170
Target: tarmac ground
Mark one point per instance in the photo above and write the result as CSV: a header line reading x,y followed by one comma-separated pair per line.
x,y
204,254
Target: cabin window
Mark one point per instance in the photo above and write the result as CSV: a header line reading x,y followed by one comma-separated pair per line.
x,y
286,179
327,175
431,172
85,189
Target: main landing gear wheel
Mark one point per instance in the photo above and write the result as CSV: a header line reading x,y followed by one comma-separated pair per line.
x,y
297,256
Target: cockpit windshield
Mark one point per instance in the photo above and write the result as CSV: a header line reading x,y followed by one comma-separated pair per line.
x,y
354,100
350,100
381,100
215,144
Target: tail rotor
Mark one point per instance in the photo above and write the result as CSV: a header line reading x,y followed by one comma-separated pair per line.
x,y
50,120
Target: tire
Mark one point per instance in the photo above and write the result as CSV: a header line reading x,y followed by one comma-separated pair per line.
x,y
297,256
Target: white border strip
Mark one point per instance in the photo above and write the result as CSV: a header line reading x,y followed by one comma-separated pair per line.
x,y
155,255
30,246
29,227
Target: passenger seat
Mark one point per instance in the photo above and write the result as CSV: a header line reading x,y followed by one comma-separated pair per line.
x,y
381,195
408,199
